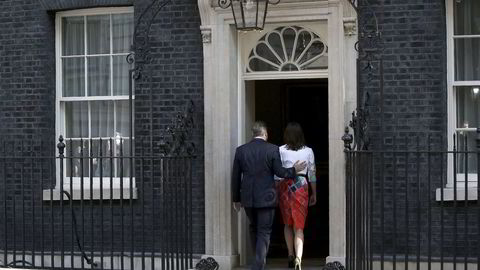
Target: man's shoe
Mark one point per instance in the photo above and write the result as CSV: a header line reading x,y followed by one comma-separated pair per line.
x,y
291,260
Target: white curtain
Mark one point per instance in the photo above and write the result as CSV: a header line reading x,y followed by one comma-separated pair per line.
x,y
468,115
467,68
73,77
122,38
73,36
122,32
91,120
98,34
99,76
120,75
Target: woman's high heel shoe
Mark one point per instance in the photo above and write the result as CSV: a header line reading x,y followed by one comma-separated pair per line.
x,y
291,260
298,264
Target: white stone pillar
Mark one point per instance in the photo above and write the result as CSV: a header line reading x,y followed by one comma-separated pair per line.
x,y
220,120
336,111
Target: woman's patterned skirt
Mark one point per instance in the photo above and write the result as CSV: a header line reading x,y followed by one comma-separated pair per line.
x,y
293,205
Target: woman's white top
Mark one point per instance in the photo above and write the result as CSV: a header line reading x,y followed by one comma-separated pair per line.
x,y
289,157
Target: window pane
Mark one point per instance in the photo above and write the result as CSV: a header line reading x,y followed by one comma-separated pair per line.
x,y
122,32
467,59
73,70
101,164
466,139
120,75
289,48
275,42
123,164
76,119
467,17
73,34
304,39
102,118
123,120
259,64
99,76
263,51
74,165
98,34
320,63
468,104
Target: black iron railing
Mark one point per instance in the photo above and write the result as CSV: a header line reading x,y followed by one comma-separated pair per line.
x,y
95,209
414,204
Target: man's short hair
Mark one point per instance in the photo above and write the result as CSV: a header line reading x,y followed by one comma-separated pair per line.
x,y
259,128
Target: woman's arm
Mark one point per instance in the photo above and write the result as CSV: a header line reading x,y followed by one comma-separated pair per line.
x,y
312,171
313,196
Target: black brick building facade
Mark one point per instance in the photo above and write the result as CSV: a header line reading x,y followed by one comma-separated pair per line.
x,y
408,110
27,113
409,113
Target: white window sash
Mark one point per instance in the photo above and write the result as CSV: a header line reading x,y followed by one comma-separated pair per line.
x,y
60,101
96,98
465,36
451,99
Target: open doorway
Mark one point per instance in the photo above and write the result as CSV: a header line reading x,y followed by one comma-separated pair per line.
x,y
278,102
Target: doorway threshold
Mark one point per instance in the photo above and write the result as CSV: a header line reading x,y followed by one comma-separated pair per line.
x,y
281,264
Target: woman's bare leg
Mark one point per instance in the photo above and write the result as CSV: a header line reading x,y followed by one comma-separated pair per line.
x,y
299,243
288,233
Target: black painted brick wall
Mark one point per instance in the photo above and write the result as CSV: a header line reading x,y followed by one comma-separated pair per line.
x,y
414,69
172,79
27,68
414,106
27,112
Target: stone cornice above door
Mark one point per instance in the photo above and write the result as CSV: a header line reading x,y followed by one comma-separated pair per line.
x,y
214,3
286,10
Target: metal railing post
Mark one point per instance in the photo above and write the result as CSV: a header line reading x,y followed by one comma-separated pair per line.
x,y
61,156
478,196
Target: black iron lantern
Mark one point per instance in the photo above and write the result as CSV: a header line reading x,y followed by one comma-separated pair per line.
x,y
248,14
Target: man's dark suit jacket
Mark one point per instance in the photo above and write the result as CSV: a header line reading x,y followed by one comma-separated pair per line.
x,y
254,166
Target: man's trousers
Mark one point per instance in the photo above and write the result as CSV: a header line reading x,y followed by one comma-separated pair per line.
x,y
261,221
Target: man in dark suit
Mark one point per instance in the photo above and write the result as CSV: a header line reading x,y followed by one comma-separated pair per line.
x,y
253,187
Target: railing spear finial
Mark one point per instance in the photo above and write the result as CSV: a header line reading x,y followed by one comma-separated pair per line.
x,y
61,146
347,139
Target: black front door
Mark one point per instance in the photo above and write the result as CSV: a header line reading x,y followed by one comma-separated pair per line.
x,y
306,102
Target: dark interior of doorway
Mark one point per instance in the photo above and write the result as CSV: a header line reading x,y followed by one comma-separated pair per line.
x,y
278,102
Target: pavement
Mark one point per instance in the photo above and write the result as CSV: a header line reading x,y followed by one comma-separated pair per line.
x,y
281,264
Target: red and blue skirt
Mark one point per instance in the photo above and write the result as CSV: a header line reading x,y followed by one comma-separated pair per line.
x,y
293,205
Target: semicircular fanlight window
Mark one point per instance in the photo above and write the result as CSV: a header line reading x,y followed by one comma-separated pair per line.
x,y
289,48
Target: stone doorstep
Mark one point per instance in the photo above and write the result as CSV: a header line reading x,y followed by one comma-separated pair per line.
x,y
281,264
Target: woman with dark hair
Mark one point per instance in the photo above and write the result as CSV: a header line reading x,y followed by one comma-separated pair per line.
x,y
293,193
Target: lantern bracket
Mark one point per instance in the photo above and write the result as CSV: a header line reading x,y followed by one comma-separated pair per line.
x,y
227,3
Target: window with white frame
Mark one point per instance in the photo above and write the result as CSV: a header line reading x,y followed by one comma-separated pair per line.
x,y
93,90
463,30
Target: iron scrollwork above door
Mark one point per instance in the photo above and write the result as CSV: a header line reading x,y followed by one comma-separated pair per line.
x,y
370,43
177,141
359,124
370,48
141,37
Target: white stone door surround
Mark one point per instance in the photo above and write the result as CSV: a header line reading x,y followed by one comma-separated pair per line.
x,y
224,108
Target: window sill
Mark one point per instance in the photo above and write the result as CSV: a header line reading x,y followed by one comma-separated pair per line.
x,y
449,194
107,194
